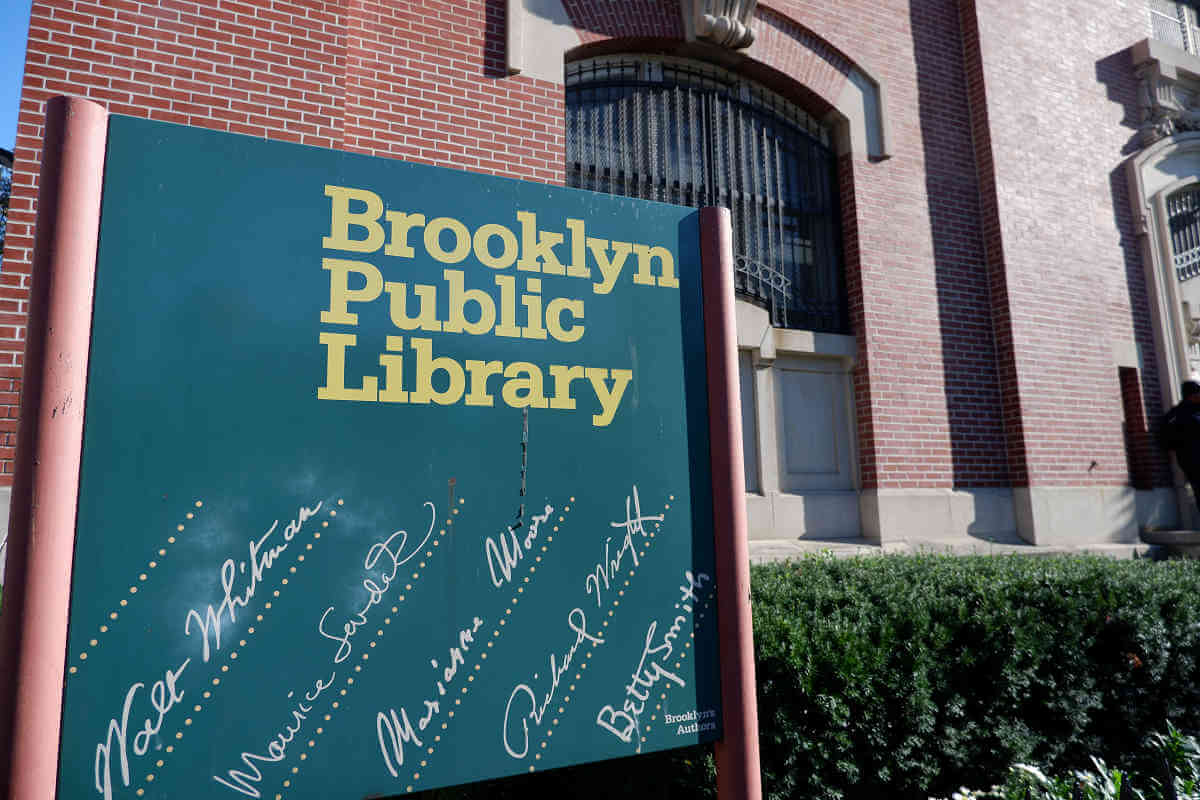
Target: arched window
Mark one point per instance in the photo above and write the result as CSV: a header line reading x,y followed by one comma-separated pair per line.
x,y
1183,222
693,134
1183,218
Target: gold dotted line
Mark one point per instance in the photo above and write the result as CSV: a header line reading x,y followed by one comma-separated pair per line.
x,y
537,756
133,590
371,643
495,636
233,654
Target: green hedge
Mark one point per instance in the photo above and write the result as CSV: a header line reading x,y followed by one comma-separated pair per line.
x,y
910,676
903,677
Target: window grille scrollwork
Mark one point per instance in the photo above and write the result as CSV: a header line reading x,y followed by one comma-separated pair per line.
x,y
692,134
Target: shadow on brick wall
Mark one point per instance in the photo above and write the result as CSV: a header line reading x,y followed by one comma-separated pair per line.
x,y
495,15
973,397
1116,73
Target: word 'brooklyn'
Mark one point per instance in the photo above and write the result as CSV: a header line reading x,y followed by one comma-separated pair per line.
x,y
499,307
449,241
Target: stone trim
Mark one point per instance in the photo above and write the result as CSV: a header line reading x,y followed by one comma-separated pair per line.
x,y
1051,516
722,22
1057,515
1148,201
1168,91
891,515
540,38
811,515
863,103
538,33
755,333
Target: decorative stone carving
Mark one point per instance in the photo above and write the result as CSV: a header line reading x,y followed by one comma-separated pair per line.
x,y
1168,91
722,22
1166,107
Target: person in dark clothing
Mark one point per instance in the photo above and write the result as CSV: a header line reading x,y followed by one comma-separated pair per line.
x,y
1180,431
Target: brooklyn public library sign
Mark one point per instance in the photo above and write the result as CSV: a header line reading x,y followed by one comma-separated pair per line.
x,y
391,478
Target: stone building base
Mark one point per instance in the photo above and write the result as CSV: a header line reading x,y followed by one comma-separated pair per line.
x,y
1055,516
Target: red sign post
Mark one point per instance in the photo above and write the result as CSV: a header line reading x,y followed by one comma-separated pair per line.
x,y
33,627
738,773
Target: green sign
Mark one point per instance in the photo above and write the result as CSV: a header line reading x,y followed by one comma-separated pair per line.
x,y
394,477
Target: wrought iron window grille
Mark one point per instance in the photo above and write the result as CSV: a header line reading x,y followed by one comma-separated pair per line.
x,y
693,134
1183,220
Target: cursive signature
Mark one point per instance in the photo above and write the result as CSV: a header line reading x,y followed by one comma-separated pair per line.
x,y
524,701
376,591
626,723
511,549
394,730
610,566
262,558
164,694
243,781
385,556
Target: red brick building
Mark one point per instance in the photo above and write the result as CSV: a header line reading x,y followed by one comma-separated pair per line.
x,y
963,226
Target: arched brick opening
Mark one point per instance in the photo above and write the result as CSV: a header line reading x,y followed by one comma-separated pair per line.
x,y
795,63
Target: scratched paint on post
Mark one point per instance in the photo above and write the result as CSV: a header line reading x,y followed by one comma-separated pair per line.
x,y
394,477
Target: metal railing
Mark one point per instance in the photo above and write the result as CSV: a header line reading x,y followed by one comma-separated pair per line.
x,y
1175,23
691,134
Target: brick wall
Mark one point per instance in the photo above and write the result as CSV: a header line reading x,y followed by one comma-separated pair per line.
x,y
378,78
1055,104
926,387
999,311
1139,444
425,82
931,416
